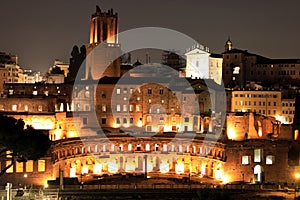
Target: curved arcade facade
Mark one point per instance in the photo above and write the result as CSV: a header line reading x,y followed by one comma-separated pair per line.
x,y
160,155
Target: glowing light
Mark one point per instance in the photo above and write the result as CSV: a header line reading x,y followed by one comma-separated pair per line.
x,y
279,118
73,172
46,184
72,134
179,168
25,175
97,168
140,123
259,132
297,175
218,174
115,125
130,167
126,125
225,179
203,170
164,167
112,167
85,170
231,133
149,167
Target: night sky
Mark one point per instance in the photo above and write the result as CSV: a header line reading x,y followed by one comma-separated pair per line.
x,y
40,31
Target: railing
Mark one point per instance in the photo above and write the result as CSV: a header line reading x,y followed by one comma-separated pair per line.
x,y
37,194
53,194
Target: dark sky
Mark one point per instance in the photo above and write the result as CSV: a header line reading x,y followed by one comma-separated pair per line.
x,y
40,31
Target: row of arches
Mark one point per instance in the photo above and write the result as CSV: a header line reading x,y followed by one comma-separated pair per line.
x,y
200,149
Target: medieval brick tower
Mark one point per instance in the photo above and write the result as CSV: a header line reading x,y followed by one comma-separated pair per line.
x,y
103,49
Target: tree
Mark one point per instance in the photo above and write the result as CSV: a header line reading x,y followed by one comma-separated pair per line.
x,y
57,70
20,144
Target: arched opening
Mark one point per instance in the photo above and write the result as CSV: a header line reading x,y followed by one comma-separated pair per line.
x,y
258,173
296,134
259,131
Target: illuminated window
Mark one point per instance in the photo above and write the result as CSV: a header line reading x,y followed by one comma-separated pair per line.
x,y
14,107
149,100
187,149
129,147
236,70
118,91
87,94
130,108
19,167
131,90
165,147
8,154
194,149
103,107
296,134
138,98
147,147
118,108
124,108
180,149
40,108
11,169
138,108
41,165
162,101
26,107
29,166
257,155
34,92
270,159
245,160
172,148
149,119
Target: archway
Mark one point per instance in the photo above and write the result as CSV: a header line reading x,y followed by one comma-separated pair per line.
x,y
258,173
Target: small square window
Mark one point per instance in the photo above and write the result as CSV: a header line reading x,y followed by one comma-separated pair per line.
x,y
270,160
245,160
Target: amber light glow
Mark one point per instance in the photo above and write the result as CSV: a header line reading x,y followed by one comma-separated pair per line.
x,y
231,133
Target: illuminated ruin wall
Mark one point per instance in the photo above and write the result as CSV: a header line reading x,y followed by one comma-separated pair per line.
x,y
165,155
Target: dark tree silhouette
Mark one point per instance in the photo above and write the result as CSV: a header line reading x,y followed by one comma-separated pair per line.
x,y
20,143
76,62
57,70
